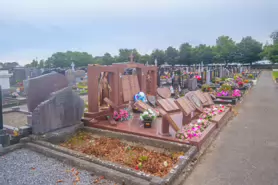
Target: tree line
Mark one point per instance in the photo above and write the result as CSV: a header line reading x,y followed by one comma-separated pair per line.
x,y
225,51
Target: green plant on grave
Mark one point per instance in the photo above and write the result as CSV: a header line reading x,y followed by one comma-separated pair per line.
x,y
225,87
143,158
251,76
223,79
217,80
229,79
206,88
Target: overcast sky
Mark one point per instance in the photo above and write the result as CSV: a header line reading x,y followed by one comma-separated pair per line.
x,y
38,28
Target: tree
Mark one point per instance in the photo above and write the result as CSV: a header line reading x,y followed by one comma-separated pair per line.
x,y
248,50
226,49
145,58
203,53
9,65
41,64
159,55
270,52
64,59
107,59
171,55
186,54
274,37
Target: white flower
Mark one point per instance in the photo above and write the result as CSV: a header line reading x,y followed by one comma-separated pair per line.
x,y
199,121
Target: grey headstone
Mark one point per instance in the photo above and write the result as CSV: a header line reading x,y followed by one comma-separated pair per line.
x,y
70,76
40,88
208,77
63,108
25,85
80,73
192,84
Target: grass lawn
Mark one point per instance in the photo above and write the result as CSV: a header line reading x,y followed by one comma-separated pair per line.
x,y
275,74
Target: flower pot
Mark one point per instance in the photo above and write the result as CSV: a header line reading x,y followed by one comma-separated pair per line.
x,y
147,123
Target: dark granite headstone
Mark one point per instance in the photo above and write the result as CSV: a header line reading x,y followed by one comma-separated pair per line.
x,y
63,108
39,88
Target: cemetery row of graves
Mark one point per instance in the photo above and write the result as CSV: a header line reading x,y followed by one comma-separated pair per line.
x,y
139,124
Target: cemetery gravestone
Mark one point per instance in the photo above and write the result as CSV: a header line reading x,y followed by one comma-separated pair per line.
x,y
79,75
192,84
57,111
208,77
40,88
70,76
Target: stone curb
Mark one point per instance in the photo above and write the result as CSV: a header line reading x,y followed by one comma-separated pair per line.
x,y
190,152
91,167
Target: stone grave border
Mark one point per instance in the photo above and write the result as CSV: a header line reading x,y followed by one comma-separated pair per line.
x,y
23,131
14,102
112,171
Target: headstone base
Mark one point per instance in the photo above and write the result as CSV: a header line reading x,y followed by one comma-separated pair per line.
x,y
4,138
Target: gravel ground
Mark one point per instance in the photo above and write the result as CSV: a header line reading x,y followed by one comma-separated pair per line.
x,y
25,167
15,119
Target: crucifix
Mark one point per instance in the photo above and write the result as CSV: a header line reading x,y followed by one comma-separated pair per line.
x,y
131,58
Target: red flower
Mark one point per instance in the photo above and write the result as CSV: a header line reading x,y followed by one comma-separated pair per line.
x,y
136,167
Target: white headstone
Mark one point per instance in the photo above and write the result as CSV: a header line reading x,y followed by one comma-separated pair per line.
x,y
72,66
155,62
5,79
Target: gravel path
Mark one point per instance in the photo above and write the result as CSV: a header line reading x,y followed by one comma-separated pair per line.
x,y
25,167
246,150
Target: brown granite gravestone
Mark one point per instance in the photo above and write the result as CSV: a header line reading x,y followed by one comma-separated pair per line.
x,y
201,96
195,101
130,86
208,97
168,105
40,88
185,105
164,92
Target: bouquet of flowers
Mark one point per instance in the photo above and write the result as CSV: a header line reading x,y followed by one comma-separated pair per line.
x,y
148,115
223,93
193,129
218,108
122,115
199,78
240,84
236,93
251,76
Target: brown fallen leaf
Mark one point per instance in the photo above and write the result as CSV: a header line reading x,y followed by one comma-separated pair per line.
x,y
59,181
96,181
33,168
77,179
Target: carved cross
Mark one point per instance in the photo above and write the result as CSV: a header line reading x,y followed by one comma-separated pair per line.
x,y
131,57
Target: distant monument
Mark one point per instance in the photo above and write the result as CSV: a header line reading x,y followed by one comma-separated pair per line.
x,y
155,62
72,66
